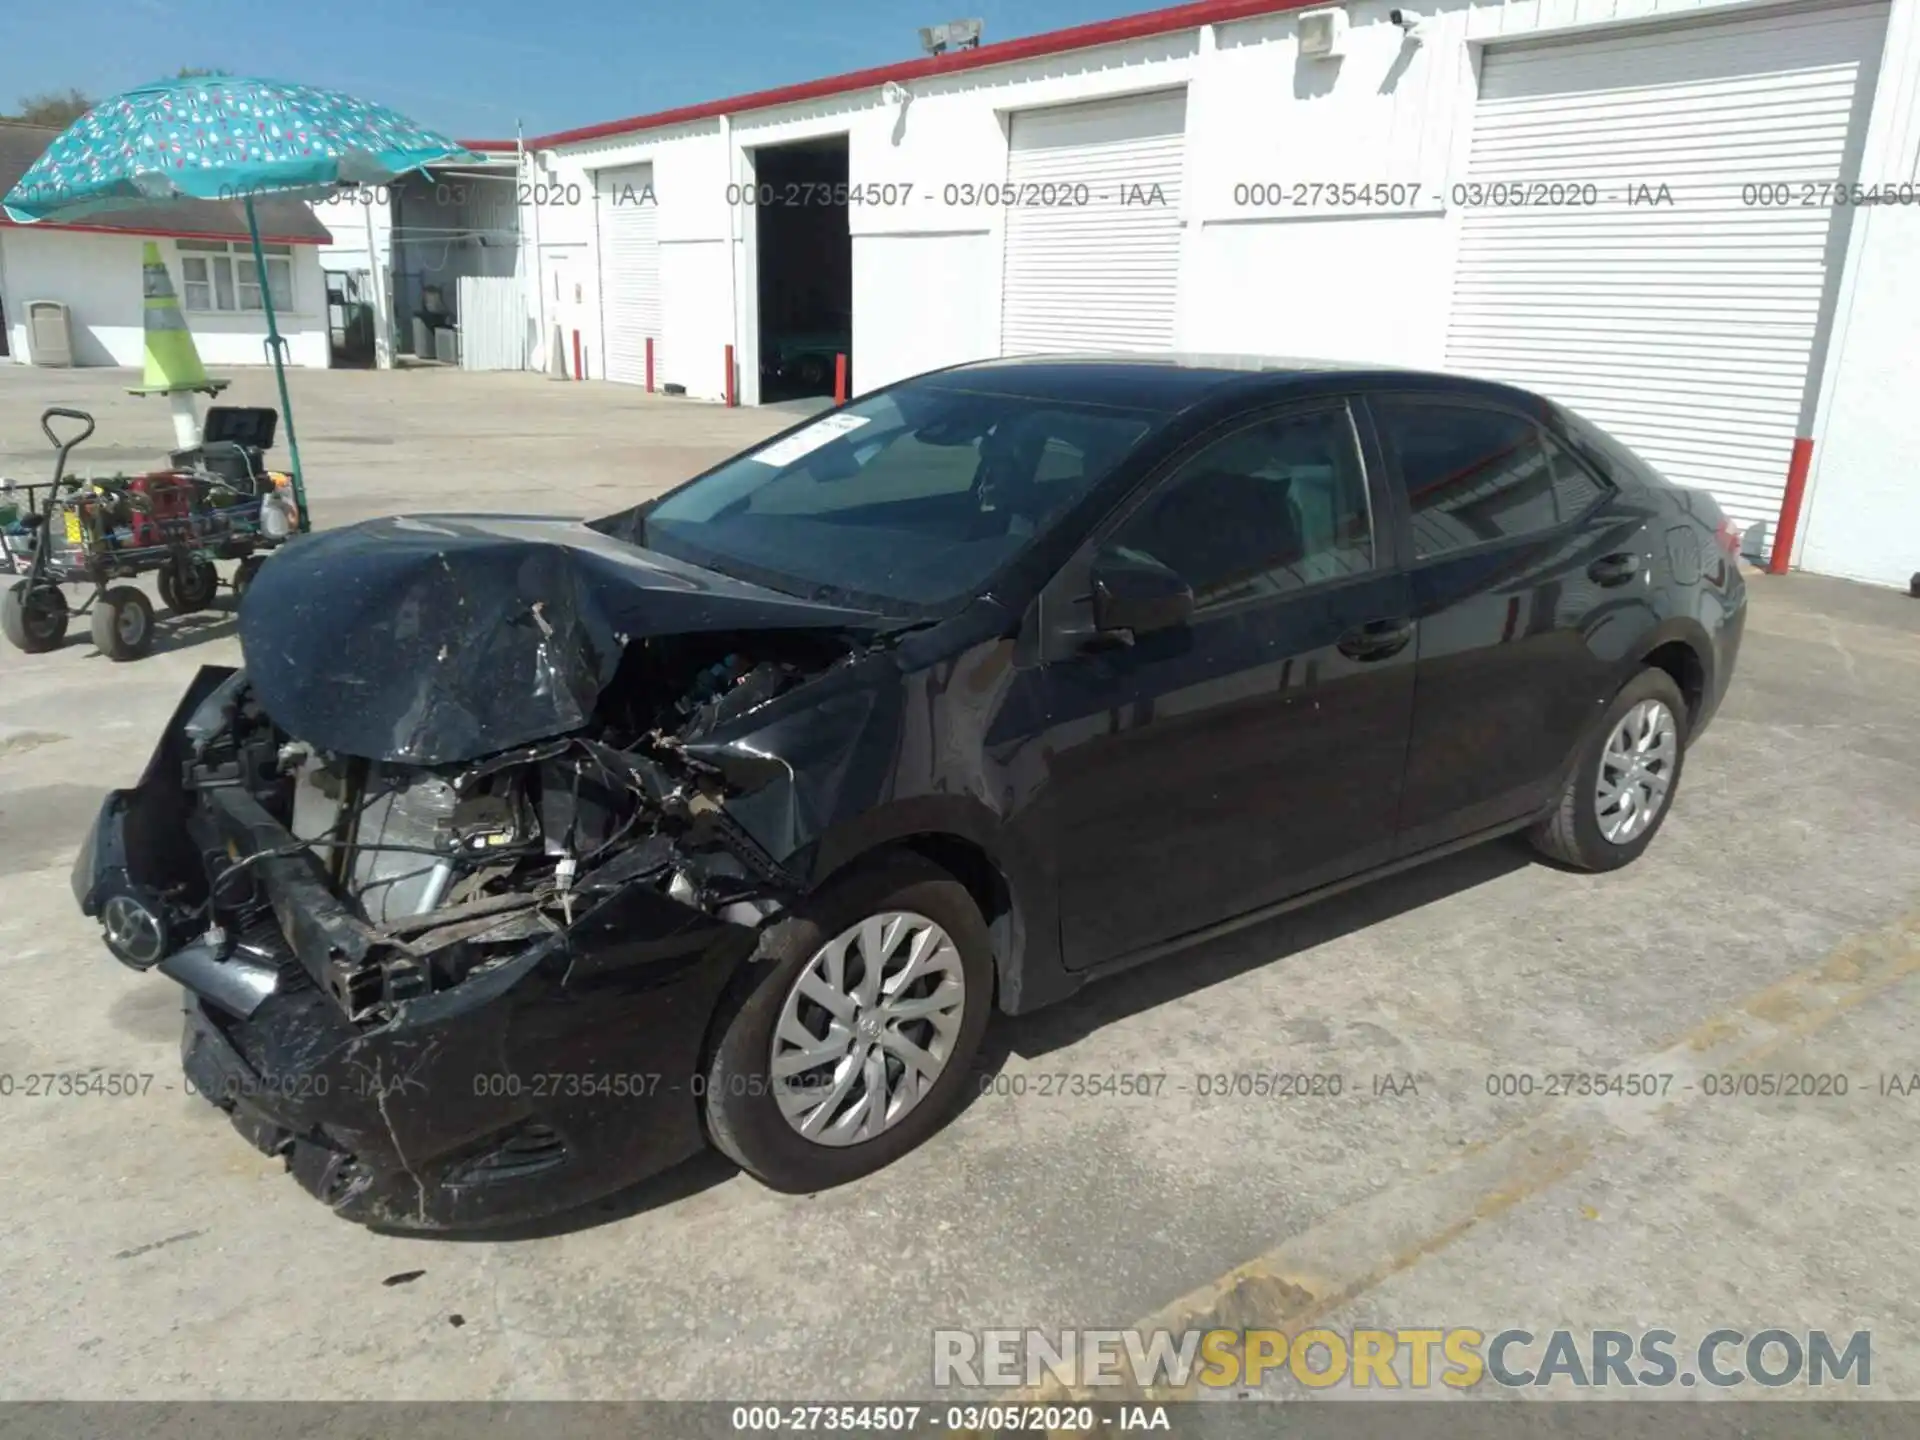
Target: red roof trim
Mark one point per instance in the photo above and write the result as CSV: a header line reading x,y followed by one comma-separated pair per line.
x,y
496,147
1053,42
240,238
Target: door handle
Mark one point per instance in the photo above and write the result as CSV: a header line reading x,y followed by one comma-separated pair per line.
x,y
1615,569
1376,640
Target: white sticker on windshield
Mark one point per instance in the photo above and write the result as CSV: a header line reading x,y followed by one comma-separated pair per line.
x,y
805,442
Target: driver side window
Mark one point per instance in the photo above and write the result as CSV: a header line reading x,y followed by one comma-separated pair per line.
x,y
1269,509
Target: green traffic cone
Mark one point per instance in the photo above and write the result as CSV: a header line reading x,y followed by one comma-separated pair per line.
x,y
173,360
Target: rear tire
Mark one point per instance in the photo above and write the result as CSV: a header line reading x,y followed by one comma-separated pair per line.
x,y
123,623
244,577
190,587
34,625
757,1120
1623,781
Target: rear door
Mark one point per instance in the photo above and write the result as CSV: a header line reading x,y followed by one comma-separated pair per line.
x,y
1212,769
1516,564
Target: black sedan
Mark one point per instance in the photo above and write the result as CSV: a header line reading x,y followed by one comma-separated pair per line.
x,y
525,857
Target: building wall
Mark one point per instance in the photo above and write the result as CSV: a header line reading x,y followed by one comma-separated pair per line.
x,y
1861,515
1344,283
98,278
1340,283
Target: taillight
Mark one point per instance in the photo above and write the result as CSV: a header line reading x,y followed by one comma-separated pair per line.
x,y
1727,537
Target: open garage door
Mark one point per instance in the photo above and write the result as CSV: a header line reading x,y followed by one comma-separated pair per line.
x,y
803,257
1093,226
628,221
1685,323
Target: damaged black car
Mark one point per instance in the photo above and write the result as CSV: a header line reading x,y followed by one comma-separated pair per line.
x,y
524,858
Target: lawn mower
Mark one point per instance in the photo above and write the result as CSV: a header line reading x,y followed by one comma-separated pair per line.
x,y
215,501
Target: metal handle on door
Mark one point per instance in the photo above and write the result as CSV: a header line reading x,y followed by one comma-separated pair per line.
x,y
1376,640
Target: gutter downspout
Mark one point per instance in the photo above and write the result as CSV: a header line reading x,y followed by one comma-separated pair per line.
x,y
733,278
534,271
532,175
376,272
6,316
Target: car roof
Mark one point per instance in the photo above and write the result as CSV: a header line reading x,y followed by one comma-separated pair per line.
x,y
1172,382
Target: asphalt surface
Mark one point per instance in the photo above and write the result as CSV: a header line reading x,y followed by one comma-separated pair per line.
x,y
1774,927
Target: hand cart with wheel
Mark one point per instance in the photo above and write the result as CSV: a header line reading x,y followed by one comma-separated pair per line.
x,y
216,502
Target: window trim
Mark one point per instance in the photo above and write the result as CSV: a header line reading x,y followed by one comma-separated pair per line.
x,y
1069,588
1403,494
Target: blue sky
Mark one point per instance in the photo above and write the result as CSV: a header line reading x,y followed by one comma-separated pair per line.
x,y
472,67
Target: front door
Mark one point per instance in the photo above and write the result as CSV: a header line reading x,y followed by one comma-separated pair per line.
x,y
1221,766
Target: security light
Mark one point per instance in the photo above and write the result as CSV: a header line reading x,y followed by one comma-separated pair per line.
x,y
1323,33
954,35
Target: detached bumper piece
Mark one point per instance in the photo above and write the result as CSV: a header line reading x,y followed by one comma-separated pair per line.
x,y
555,1064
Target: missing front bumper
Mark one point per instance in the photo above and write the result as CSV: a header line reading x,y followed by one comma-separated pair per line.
x,y
559,1075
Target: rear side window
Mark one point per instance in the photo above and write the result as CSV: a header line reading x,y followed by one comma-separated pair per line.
x,y
1575,489
1476,475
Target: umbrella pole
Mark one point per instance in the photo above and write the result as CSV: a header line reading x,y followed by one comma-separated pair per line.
x,y
277,345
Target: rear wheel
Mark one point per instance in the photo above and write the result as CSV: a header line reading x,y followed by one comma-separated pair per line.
x,y
123,623
34,621
855,1037
244,577
188,586
1623,781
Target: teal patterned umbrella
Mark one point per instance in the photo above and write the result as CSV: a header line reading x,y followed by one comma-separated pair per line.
x,y
218,137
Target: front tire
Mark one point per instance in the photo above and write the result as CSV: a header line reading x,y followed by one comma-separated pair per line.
x,y
1623,781
122,623
853,1039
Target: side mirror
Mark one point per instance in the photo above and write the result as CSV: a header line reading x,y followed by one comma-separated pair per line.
x,y
1137,595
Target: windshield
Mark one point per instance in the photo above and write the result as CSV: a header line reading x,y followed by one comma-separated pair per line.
x,y
908,500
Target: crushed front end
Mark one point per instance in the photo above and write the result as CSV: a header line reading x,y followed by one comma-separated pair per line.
x,y
448,995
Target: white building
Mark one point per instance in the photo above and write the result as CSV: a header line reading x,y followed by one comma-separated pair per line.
x,y
1643,208
93,268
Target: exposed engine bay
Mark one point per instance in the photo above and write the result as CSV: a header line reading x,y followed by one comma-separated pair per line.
x,y
411,880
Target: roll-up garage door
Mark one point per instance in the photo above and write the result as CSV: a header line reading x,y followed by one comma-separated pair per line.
x,y
1093,226
1687,329
629,271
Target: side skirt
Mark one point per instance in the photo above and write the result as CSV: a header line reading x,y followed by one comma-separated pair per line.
x,y
1295,902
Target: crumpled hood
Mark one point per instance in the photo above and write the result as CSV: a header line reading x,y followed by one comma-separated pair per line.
x,y
430,639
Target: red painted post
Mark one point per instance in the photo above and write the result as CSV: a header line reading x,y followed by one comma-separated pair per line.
x,y
839,379
1789,526
578,373
649,364
731,400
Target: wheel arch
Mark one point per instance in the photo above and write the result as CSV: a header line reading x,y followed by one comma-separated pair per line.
x,y
966,840
1682,649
